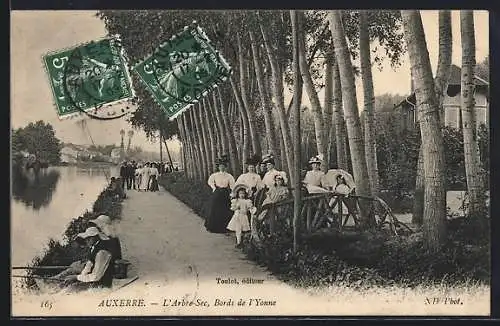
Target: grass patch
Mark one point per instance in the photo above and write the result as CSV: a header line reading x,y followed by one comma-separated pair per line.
x,y
193,194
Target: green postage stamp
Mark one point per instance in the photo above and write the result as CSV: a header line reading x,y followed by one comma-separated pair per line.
x,y
182,70
85,78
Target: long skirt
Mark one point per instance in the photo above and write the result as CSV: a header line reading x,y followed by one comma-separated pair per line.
x,y
153,186
144,185
220,211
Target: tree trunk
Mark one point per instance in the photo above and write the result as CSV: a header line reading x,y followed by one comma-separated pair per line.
x,y
187,145
441,84
244,117
277,82
212,150
369,102
244,97
201,145
354,134
430,128
188,162
471,148
443,70
266,109
290,114
192,156
183,141
295,19
282,164
222,135
233,149
205,140
195,146
319,126
418,197
338,118
328,110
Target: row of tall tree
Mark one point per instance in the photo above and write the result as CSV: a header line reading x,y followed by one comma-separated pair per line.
x,y
430,190
306,50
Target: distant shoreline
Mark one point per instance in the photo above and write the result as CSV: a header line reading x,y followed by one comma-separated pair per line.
x,y
85,164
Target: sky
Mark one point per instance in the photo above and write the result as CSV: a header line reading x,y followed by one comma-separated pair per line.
x,y
35,33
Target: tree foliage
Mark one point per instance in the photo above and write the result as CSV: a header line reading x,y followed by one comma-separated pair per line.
x,y
483,69
38,138
397,153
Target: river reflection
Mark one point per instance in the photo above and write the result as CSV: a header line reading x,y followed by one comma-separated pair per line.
x,y
42,207
35,191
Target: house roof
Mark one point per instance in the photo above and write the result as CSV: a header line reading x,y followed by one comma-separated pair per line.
x,y
456,77
454,85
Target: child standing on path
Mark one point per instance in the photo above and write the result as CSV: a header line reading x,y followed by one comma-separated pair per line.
x,y
241,206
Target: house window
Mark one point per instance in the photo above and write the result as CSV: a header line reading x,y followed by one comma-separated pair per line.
x,y
480,99
481,116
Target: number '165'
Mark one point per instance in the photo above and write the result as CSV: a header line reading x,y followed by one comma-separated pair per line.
x,y
59,62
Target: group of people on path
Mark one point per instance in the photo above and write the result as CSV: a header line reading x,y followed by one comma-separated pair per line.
x,y
233,201
142,177
103,250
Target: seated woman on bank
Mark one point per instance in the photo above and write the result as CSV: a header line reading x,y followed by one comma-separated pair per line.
x,y
76,267
278,192
103,223
313,177
99,268
268,179
342,187
116,188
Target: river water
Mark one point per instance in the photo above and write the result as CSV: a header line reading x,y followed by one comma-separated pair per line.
x,y
42,208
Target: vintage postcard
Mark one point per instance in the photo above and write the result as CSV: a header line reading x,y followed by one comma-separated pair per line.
x,y
250,163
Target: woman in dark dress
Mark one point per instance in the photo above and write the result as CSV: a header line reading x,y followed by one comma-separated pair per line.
x,y
220,212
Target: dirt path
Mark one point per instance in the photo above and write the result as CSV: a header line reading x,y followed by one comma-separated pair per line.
x,y
178,262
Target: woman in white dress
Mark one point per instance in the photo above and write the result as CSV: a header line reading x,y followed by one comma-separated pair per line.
x,y
145,174
138,175
313,177
268,179
153,175
221,183
251,179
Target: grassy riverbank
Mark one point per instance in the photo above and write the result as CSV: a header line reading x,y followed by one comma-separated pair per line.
x,y
65,252
372,259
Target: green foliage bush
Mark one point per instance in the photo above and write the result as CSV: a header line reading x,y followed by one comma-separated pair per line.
x,y
397,156
373,260
38,138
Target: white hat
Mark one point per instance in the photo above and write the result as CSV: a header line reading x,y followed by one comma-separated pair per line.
x,y
92,232
103,222
316,159
238,187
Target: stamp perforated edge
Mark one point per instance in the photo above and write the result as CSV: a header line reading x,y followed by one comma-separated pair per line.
x,y
105,107
194,25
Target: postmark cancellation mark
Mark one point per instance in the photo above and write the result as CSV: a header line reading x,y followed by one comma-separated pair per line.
x,y
87,77
182,70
